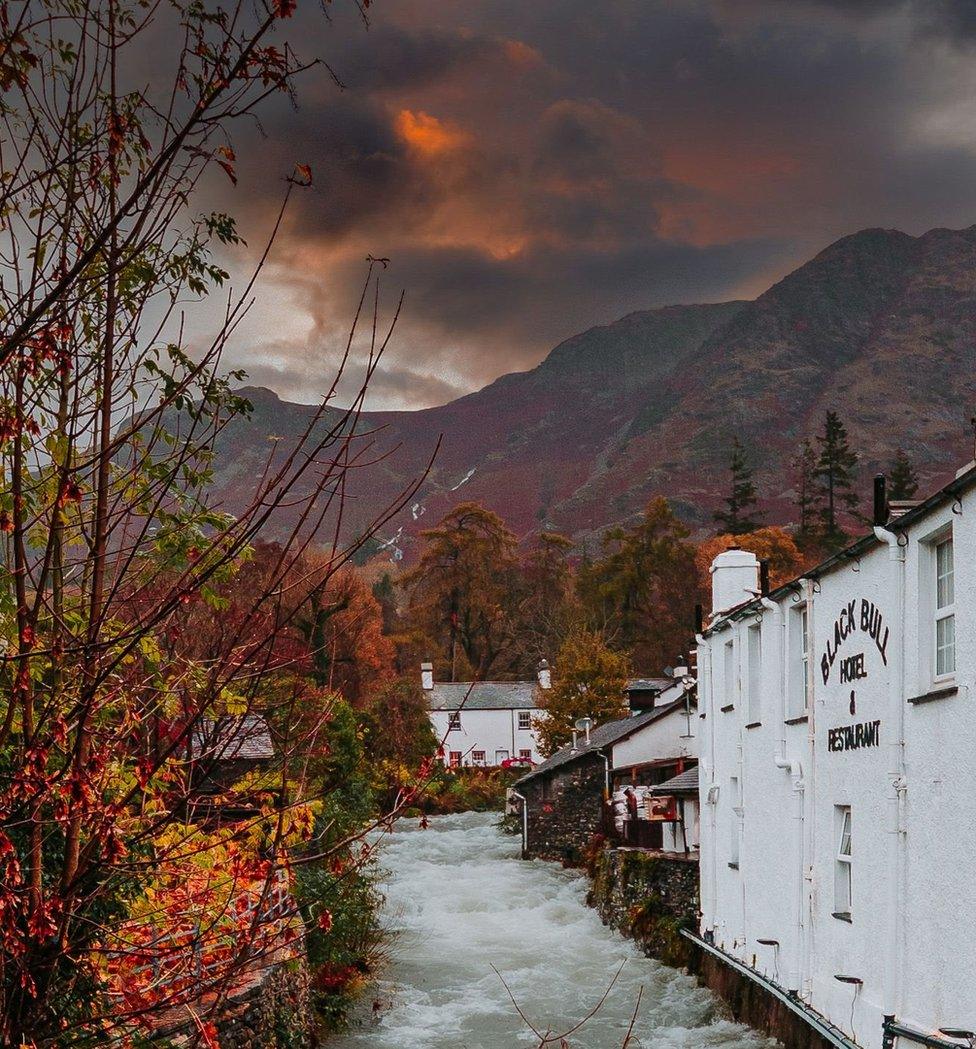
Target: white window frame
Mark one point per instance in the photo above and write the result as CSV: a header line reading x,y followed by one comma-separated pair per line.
x,y
798,642
729,674
735,826
944,612
479,757
525,754
754,673
501,751
454,721
930,614
844,862
526,716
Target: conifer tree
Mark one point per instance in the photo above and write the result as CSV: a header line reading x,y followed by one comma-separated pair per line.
x,y
835,473
806,500
902,477
741,514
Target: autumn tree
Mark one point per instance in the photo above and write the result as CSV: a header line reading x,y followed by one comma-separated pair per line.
x,y
111,401
463,592
836,478
902,477
548,607
638,592
772,544
741,512
589,680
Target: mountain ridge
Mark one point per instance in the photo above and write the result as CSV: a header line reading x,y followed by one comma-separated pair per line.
x,y
879,325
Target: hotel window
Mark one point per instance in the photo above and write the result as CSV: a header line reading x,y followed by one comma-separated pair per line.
x,y
454,722
945,609
477,757
754,656
735,826
843,868
525,719
729,675
799,683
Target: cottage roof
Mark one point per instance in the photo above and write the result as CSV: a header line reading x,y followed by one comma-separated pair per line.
x,y
243,738
684,783
603,736
963,481
482,695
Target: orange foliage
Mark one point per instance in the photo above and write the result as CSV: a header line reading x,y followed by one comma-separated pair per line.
x,y
775,545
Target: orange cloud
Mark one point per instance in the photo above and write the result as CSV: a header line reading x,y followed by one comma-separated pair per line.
x,y
427,134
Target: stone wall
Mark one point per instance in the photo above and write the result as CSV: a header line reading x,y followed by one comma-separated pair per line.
x,y
649,897
564,810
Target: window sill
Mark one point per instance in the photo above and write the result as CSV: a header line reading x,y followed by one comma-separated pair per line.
x,y
936,693
843,916
754,724
733,866
798,720
727,708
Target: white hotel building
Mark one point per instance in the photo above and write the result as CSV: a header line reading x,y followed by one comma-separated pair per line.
x,y
838,779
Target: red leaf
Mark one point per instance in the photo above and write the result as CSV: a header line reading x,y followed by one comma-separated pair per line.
x,y
325,921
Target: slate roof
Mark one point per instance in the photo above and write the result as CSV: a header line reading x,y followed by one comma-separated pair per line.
x,y
603,736
243,738
684,783
482,695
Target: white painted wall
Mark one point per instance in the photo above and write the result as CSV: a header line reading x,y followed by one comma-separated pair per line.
x,y
913,913
658,741
493,731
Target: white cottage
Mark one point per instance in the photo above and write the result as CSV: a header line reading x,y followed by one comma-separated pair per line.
x,y
484,723
838,809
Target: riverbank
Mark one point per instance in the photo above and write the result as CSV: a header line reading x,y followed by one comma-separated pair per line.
x,y
460,904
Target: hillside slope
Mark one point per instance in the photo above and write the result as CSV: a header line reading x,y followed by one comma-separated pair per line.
x,y
880,326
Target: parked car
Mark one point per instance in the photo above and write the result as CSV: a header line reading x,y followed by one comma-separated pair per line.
x,y
518,763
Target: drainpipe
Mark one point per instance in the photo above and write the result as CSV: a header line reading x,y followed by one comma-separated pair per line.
x,y
795,769
895,733
525,822
606,774
707,786
810,793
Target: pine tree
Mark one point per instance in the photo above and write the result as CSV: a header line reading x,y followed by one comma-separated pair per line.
x,y
806,500
835,473
902,478
740,515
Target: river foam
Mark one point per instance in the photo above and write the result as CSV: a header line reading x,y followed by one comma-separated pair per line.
x,y
459,901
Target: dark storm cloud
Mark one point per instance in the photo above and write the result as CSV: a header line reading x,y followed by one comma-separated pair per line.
x,y
532,169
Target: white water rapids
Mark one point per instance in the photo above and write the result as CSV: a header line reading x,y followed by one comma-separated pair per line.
x,y
459,901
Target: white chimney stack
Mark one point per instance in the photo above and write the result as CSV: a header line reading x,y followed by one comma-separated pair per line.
x,y
545,677
427,676
735,578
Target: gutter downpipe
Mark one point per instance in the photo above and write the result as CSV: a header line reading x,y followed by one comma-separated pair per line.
x,y
811,791
896,801
795,770
525,822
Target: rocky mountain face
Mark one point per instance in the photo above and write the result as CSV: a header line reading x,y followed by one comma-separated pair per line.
x,y
880,326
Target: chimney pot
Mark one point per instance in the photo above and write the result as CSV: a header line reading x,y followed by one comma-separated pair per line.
x,y
880,501
427,676
545,676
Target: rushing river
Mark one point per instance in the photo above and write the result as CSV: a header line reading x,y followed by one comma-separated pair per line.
x,y
459,901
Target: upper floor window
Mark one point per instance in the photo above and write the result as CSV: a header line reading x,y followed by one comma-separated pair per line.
x,y
799,644
843,868
729,674
454,721
945,609
525,719
754,655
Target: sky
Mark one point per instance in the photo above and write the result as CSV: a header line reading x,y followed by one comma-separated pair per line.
x,y
531,168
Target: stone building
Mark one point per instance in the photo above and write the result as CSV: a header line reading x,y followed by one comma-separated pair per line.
x,y
562,800
838,813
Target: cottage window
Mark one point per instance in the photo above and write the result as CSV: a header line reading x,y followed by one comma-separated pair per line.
x,y
843,880
477,757
799,683
754,655
455,759
525,719
945,609
454,722
527,754
729,674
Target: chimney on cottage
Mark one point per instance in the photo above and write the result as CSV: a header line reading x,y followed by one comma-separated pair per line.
x,y
545,676
427,676
735,578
